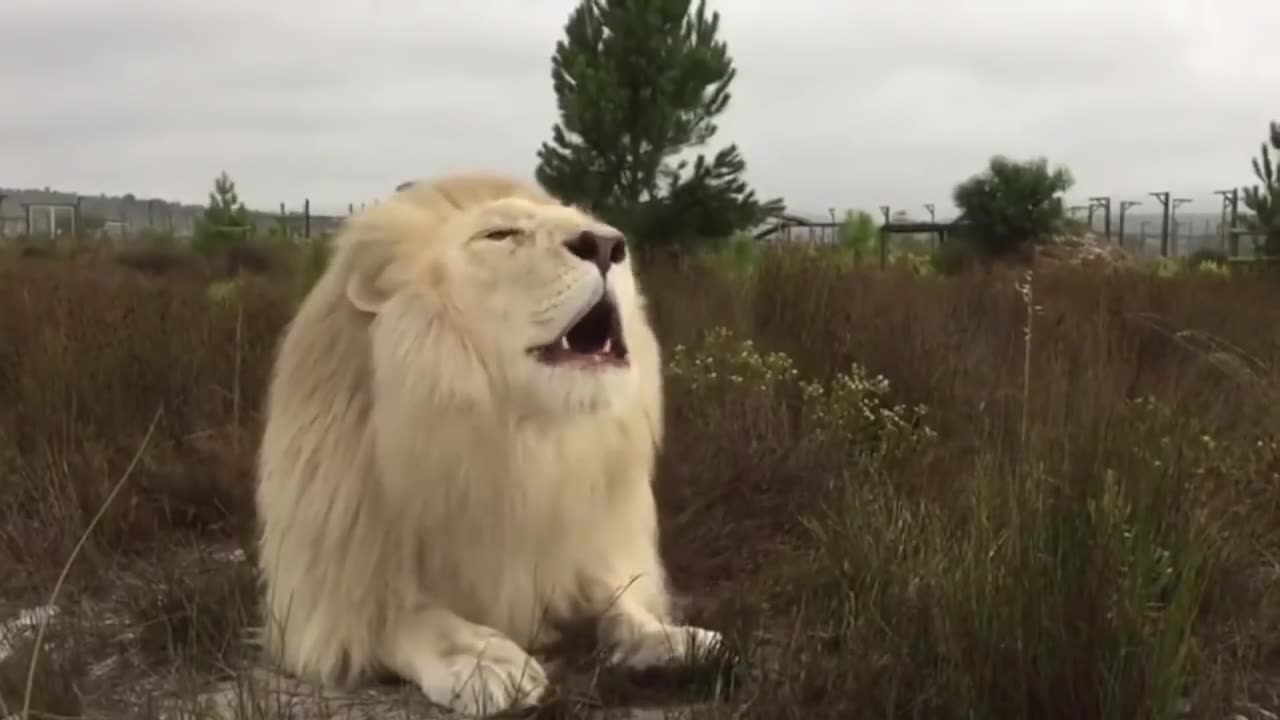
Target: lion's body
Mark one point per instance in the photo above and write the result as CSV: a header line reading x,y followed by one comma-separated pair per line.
x,y
426,489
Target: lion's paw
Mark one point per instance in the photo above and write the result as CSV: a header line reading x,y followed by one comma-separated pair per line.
x,y
501,677
668,646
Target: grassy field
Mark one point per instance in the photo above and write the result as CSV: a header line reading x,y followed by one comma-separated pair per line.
x,y
990,495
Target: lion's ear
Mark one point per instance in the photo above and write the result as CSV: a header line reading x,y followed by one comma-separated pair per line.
x,y
365,294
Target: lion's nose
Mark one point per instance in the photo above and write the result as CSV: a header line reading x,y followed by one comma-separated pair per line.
x,y
602,249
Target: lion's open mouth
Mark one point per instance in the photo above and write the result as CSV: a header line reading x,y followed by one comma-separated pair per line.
x,y
596,338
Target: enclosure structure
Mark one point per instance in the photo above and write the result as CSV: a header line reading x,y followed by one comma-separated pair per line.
x,y
32,211
789,227
940,230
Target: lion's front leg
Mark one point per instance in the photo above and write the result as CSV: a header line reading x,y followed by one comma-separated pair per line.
x,y
469,668
635,625
639,640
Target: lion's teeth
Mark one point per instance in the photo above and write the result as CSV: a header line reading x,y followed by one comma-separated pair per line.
x,y
608,345
564,343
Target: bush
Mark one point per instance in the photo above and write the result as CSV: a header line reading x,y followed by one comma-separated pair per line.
x,y
246,258
155,239
957,254
1012,204
1207,255
846,422
83,371
1089,574
859,235
738,255
1209,261
158,260
312,262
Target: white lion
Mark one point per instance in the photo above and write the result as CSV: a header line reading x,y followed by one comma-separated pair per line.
x,y
460,438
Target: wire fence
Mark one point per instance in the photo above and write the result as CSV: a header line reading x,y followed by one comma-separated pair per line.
x,y
1213,220
1160,224
50,215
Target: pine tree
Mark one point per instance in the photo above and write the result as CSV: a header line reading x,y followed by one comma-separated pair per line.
x,y
1264,200
1011,203
638,84
226,222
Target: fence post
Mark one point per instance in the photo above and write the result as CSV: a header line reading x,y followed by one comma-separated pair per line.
x,y
884,236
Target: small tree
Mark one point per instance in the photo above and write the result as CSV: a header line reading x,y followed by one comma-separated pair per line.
x,y
858,234
1012,204
1264,200
639,82
225,223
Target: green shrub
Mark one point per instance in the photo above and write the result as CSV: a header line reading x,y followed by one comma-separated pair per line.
x,y
737,255
958,254
847,420
1012,204
859,236
312,260
152,238
919,264
159,259
1071,588
1207,255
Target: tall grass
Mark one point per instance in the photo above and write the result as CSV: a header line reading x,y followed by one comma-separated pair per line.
x,y
992,494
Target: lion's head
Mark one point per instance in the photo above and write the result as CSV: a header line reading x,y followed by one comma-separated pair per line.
x,y
539,295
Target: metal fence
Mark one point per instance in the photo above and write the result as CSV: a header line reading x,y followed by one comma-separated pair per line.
x,y
47,214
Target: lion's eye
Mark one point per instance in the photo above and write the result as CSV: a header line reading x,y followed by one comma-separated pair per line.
x,y
501,233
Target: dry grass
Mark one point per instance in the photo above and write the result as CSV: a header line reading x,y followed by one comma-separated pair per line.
x,y
1082,521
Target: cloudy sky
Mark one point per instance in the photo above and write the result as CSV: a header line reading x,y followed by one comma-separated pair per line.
x,y
837,104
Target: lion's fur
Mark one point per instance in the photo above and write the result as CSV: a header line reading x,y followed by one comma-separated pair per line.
x,y
412,459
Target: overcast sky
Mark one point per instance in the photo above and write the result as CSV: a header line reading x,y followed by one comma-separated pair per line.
x,y
836,103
